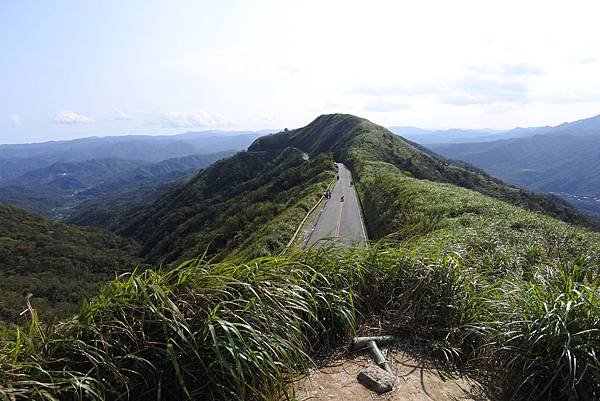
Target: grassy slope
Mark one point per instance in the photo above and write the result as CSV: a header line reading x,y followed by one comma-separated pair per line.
x,y
499,288
354,140
375,143
57,263
244,206
482,283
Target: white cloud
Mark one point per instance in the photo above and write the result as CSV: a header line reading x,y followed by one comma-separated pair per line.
x,y
16,120
508,71
454,62
521,70
474,90
189,119
393,89
123,116
70,117
463,91
386,106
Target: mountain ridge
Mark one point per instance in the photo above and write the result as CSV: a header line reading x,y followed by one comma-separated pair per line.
x,y
562,161
456,269
344,134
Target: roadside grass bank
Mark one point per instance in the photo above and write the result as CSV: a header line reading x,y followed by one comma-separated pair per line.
x,y
242,331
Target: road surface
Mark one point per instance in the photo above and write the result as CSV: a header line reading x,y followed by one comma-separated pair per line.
x,y
339,221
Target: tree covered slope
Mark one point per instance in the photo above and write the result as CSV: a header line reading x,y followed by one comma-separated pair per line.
x,y
249,204
58,264
85,189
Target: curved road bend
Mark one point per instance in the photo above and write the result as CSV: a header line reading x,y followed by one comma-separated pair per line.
x,y
340,221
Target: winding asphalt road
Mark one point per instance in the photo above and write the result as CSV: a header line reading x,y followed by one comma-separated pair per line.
x,y
339,221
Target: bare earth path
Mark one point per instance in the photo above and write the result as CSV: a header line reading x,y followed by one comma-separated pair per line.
x,y
414,382
337,220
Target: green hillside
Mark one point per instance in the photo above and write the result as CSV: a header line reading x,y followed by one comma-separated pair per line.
x,y
83,174
83,192
461,272
247,205
354,141
57,263
109,203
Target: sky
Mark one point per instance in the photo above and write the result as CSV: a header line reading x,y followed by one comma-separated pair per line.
x,y
79,68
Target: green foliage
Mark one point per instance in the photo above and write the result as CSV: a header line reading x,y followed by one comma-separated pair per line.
x,y
548,334
478,281
248,205
491,284
57,263
197,332
375,145
243,330
358,142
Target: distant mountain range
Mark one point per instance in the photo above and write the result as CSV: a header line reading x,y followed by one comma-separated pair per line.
x,y
461,262
82,178
57,179
64,188
456,135
131,147
564,159
236,206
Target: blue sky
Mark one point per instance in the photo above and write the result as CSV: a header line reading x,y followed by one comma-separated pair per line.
x,y
78,68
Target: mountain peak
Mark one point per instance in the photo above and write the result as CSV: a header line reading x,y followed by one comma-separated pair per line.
x,y
327,133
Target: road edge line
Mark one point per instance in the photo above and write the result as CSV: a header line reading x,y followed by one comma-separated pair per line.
x,y
304,220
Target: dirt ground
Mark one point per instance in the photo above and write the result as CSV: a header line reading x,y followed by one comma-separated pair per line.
x,y
337,381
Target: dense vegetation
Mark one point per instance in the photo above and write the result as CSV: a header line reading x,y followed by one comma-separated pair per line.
x,y
354,140
113,202
247,205
500,289
463,272
58,264
75,175
527,316
85,188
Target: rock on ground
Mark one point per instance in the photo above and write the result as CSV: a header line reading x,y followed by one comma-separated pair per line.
x,y
414,382
376,379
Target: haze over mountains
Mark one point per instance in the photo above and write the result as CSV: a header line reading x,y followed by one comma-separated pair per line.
x,y
563,159
55,178
457,135
136,147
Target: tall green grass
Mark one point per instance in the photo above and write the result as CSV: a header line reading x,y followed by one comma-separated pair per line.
x,y
244,331
490,285
481,284
198,332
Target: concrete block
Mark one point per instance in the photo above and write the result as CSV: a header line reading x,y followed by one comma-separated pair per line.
x,y
376,379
